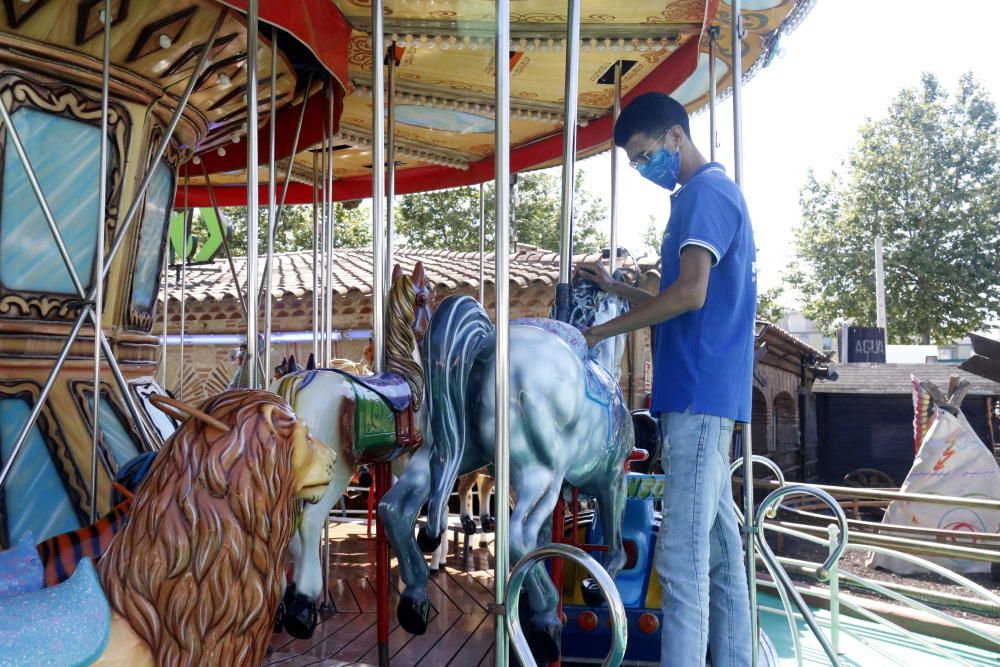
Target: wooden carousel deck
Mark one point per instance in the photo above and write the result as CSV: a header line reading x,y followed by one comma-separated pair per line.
x,y
460,632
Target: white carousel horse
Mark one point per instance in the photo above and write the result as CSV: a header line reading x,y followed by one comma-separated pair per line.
x,y
569,424
365,419
481,480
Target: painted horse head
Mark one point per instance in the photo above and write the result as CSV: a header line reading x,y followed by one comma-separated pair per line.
x,y
590,306
408,312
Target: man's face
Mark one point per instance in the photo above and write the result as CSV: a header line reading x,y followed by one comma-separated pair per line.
x,y
642,146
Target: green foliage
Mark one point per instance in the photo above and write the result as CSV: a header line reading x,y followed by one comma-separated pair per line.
x,y
768,308
927,179
652,238
352,229
449,219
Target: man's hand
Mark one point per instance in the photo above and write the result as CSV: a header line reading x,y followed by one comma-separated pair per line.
x,y
592,338
597,274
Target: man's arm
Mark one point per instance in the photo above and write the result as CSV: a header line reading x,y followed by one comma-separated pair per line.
x,y
685,294
597,274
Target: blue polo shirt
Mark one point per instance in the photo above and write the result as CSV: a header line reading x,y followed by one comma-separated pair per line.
x,y
704,358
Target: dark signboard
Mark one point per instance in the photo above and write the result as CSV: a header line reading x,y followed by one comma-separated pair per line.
x,y
865,345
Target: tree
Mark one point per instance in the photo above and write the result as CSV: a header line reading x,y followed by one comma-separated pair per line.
x,y
926,178
352,229
652,238
768,308
449,219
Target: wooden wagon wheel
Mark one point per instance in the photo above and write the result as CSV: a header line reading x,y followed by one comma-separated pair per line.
x,y
869,478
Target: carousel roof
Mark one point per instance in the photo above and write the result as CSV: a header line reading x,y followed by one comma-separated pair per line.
x,y
445,83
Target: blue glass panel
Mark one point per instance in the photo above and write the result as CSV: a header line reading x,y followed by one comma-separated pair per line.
x,y
116,435
35,497
65,155
159,201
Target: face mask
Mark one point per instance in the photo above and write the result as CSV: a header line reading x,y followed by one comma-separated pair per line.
x,y
663,168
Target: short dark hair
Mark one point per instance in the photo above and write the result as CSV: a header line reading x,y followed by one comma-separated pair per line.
x,y
650,113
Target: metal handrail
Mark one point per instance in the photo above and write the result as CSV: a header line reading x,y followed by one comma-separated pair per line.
x,y
619,625
887,494
781,578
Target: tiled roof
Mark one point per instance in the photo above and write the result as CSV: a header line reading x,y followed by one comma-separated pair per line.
x,y
293,274
895,379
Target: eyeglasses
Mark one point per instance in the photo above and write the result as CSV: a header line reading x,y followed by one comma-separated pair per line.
x,y
644,157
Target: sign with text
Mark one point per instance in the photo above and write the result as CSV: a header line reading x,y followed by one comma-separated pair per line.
x,y
865,345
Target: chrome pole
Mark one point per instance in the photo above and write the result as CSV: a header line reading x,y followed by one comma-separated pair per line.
x,y
102,195
390,175
378,187
569,158
315,256
330,236
271,210
713,37
252,195
166,298
482,243
225,241
748,513
324,258
185,230
616,109
167,134
502,319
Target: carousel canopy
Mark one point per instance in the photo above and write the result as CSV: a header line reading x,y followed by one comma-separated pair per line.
x,y
444,84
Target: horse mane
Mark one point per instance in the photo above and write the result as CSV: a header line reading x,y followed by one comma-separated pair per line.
x,y
198,569
400,340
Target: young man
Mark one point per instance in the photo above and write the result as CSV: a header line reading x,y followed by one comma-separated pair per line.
x,y
702,371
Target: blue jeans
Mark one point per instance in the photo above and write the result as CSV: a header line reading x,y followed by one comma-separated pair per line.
x,y
699,553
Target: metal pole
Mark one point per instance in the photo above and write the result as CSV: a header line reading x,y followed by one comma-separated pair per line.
x,y
102,194
482,243
186,229
390,177
569,157
225,241
748,513
315,256
383,475
737,74
252,194
166,297
324,257
167,134
329,234
271,209
880,287
502,318
616,109
713,37
378,187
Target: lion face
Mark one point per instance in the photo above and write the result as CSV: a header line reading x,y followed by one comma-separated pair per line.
x,y
312,464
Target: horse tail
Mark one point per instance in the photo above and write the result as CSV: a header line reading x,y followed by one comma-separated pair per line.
x,y
60,554
458,331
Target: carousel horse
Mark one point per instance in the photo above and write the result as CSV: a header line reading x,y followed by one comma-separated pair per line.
x,y
364,419
569,424
290,365
195,576
481,480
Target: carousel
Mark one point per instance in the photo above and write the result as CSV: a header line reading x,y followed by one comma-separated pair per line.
x,y
136,528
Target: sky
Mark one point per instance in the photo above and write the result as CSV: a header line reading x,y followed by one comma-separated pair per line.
x,y
842,65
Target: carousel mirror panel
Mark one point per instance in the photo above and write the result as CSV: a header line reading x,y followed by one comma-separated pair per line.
x,y
64,153
152,234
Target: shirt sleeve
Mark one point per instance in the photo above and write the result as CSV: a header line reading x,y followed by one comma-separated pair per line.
x,y
710,221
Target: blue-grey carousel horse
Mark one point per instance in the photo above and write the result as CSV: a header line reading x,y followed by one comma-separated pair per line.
x,y
569,424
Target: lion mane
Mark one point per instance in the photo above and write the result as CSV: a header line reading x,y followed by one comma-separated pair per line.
x,y
198,570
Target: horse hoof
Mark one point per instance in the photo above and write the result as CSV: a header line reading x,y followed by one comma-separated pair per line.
x,y
364,477
468,525
413,611
543,640
300,617
489,524
591,591
279,616
484,543
426,542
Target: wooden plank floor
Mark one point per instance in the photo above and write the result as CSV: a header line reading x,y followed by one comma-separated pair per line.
x,y
459,634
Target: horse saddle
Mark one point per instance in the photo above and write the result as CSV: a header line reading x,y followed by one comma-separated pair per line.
x,y
385,425
21,568
66,624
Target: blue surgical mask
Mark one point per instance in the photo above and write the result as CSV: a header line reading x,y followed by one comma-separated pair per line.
x,y
663,168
